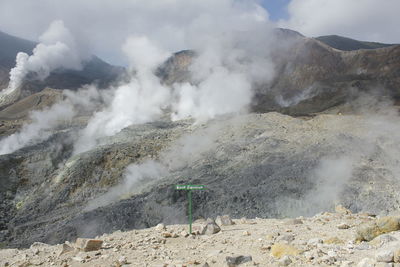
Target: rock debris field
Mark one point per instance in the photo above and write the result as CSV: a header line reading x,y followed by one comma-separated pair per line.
x,y
326,239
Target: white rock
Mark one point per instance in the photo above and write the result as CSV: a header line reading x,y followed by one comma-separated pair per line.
x,y
122,260
383,264
287,237
285,261
314,241
223,220
347,264
343,226
366,262
160,227
384,255
363,246
332,253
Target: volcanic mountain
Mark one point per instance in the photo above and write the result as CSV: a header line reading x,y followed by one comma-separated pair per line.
x,y
271,162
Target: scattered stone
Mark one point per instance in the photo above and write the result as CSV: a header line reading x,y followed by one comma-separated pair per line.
x,y
366,262
122,260
77,258
333,240
363,246
343,226
279,249
246,233
287,237
166,234
237,260
86,244
381,226
160,227
385,255
210,228
293,221
342,210
383,264
347,264
184,234
314,242
65,249
285,261
396,255
39,245
382,239
224,220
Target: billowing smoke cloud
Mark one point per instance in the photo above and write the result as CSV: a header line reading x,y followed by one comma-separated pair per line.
x,y
57,49
44,122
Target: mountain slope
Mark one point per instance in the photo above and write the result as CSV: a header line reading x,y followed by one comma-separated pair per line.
x,y
348,44
311,76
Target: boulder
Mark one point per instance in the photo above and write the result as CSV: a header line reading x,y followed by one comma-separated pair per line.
x,y
86,244
210,228
381,226
366,262
237,260
224,220
385,255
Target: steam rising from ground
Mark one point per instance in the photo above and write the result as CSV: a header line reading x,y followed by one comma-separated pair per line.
x,y
375,147
57,49
233,55
181,154
45,122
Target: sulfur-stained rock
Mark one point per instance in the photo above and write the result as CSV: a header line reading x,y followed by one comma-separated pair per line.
x,y
279,250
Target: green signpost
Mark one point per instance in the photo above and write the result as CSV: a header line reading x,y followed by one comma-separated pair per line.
x,y
189,188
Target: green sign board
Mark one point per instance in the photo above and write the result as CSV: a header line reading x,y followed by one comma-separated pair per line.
x,y
189,188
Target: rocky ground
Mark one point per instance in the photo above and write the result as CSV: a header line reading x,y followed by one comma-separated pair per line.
x,y
326,239
255,165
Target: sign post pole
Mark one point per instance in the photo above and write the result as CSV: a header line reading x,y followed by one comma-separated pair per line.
x,y
189,188
190,211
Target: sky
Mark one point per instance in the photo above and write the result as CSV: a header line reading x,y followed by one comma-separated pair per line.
x,y
101,26
277,9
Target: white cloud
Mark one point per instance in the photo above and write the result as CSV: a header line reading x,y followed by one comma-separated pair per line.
x,y
101,26
370,20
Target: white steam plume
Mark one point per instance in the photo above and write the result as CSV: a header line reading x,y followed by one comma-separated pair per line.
x,y
44,122
233,53
139,101
57,49
183,152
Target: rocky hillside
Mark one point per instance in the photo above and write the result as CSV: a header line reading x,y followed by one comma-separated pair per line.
x,y
326,239
348,44
256,165
312,76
